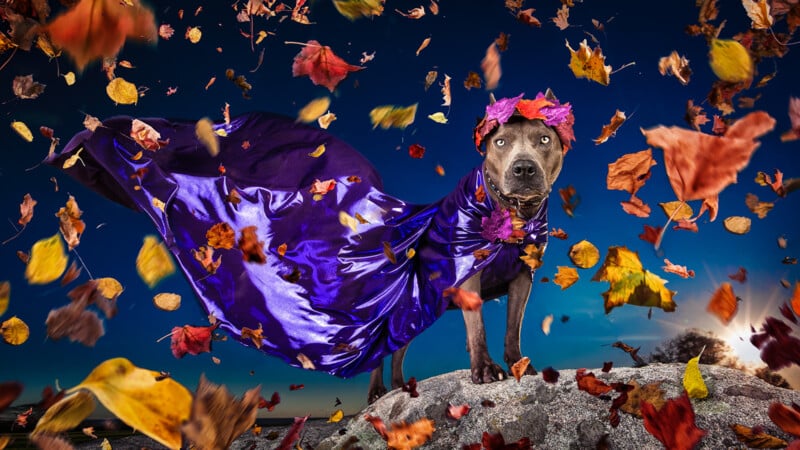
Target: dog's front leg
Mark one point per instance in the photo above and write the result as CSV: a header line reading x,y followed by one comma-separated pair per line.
x,y
376,387
518,292
482,368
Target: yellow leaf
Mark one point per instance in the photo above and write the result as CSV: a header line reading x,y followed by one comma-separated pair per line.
x,y
261,36
44,44
533,256
158,203
167,301
631,283
388,116
156,408
105,445
154,261
318,152
66,414
354,9
325,120
566,276
693,379
48,261
122,92
69,78
15,331
221,132
588,63
204,130
314,109
438,117
730,61
109,287
6,43
737,224
22,130
684,210
336,416
5,296
4,440
193,34
546,322
584,254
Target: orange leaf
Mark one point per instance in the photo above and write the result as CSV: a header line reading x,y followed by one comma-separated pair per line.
x,y
518,368
71,225
464,299
612,127
221,235
629,172
723,303
756,439
321,65
675,65
491,67
785,417
795,301
251,247
255,335
588,63
98,28
26,209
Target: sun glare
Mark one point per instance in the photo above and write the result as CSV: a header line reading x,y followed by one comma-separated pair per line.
x,y
738,337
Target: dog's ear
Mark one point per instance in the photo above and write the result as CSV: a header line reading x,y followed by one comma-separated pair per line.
x,y
548,94
491,98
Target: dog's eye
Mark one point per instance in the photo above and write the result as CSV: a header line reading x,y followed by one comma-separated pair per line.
x,y
499,142
544,139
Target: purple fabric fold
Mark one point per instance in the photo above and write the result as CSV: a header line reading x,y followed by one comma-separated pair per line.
x,y
350,306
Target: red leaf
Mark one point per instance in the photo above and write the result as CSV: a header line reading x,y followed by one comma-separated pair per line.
x,y
673,424
550,375
466,300
778,348
650,234
191,340
296,387
9,392
740,275
270,405
411,387
321,65
457,411
587,382
378,424
293,434
416,151
607,366
786,418
98,28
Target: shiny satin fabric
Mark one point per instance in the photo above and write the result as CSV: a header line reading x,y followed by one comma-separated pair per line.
x,y
350,306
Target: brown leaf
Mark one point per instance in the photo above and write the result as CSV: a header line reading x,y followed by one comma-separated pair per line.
x,y
756,439
205,256
251,247
611,128
636,207
26,210
50,442
9,391
677,270
217,419
387,250
71,225
629,172
255,335
76,323
650,393
71,274
695,116
221,235
675,65
758,208
473,80
490,65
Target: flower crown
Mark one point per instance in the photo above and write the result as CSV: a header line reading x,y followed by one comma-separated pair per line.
x,y
549,110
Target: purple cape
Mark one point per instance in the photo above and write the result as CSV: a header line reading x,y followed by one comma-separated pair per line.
x,y
334,296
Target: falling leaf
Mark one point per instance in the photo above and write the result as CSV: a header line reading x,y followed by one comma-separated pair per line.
x,y
758,207
526,16
336,416
306,362
590,64
146,136
98,28
204,131
256,335
518,368
154,408
314,109
490,65
650,393
423,45
473,80
723,303
611,128
566,276
221,236
630,171
325,120
321,65
693,379
464,299
678,270
14,331
167,301
737,224
546,323
66,414
684,211
76,323
751,437
630,283
416,151
388,116
700,166
695,116
70,223
390,255
562,18
153,263
438,117
5,295
759,13
217,418
319,188
558,233
533,255
636,207
193,34
584,254
9,391
569,199
402,435
794,118
439,170
25,88
730,61
22,130
121,91
413,13
674,424
675,65
26,210
47,262
293,434
589,383
430,78
348,221
191,339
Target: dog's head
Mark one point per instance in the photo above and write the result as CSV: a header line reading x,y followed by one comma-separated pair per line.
x,y
524,142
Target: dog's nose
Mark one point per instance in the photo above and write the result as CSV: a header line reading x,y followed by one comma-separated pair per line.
x,y
523,168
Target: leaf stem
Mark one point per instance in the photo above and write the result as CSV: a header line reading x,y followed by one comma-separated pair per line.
x,y
304,44
9,58
14,236
88,272
669,220
165,336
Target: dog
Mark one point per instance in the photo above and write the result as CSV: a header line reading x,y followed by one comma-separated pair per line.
x,y
298,252
523,160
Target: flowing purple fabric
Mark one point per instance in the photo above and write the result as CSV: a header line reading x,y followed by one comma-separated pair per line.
x,y
350,306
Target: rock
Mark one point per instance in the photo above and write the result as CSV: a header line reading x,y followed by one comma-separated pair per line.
x,y
560,416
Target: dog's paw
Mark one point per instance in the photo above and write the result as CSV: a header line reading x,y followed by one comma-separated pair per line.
x,y
487,372
376,392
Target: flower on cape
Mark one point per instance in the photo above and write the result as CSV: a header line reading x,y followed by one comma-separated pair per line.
x,y
497,226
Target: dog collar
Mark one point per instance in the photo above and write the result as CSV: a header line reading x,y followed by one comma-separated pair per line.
x,y
512,201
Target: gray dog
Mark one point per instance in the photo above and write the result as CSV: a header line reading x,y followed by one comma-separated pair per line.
x,y
523,159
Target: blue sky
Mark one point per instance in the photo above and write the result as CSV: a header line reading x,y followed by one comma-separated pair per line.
x,y
537,58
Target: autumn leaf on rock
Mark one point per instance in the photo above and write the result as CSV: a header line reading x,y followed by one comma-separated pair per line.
x,y
611,128
590,64
589,383
388,116
98,28
402,435
217,418
650,393
674,424
518,368
693,383
565,277
787,418
490,65
754,438
700,166
321,65
631,283
192,340
675,65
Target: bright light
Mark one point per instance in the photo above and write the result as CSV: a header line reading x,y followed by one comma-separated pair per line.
x,y
738,337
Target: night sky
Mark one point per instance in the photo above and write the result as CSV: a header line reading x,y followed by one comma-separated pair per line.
x,y
633,38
